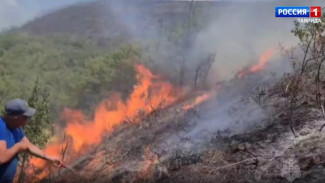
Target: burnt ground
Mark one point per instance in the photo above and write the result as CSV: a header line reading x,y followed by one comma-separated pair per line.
x,y
264,152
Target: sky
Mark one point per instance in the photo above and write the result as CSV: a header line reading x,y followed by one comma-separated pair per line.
x,y
18,12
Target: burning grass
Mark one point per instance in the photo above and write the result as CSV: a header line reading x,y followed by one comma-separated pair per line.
x,y
141,110
148,142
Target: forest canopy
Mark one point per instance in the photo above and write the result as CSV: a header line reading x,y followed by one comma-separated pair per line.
x,y
76,72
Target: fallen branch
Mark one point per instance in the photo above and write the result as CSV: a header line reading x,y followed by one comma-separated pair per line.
x,y
237,163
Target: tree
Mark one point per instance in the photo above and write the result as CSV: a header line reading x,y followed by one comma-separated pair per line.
x,y
308,64
202,71
312,44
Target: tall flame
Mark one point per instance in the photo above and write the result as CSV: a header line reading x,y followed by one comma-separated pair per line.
x,y
146,96
257,67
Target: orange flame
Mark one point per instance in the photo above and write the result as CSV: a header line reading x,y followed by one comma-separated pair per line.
x,y
199,100
259,66
53,149
150,93
85,132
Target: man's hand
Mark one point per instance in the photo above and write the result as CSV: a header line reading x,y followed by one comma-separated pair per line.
x,y
23,145
34,150
55,161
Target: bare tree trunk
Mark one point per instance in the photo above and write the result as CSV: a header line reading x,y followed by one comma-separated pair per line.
x,y
207,67
323,112
318,85
189,17
317,80
186,42
304,61
196,77
292,120
293,92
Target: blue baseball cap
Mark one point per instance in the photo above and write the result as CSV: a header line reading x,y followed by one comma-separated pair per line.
x,y
19,107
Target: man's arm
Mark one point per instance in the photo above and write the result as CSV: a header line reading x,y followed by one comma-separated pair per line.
x,y
34,150
7,154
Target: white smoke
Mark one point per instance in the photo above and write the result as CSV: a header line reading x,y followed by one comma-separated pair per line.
x,y
237,32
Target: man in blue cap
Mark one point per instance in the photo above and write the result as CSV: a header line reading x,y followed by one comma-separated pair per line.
x,y
13,139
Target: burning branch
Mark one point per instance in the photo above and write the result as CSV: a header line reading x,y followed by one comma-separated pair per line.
x,y
257,67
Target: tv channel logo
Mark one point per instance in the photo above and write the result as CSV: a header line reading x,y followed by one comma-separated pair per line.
x,y
299,11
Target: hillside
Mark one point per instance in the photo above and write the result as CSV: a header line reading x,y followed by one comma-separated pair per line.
x,y
112,20
227,138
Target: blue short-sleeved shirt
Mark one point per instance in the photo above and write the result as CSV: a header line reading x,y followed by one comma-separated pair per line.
x,y
8,170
